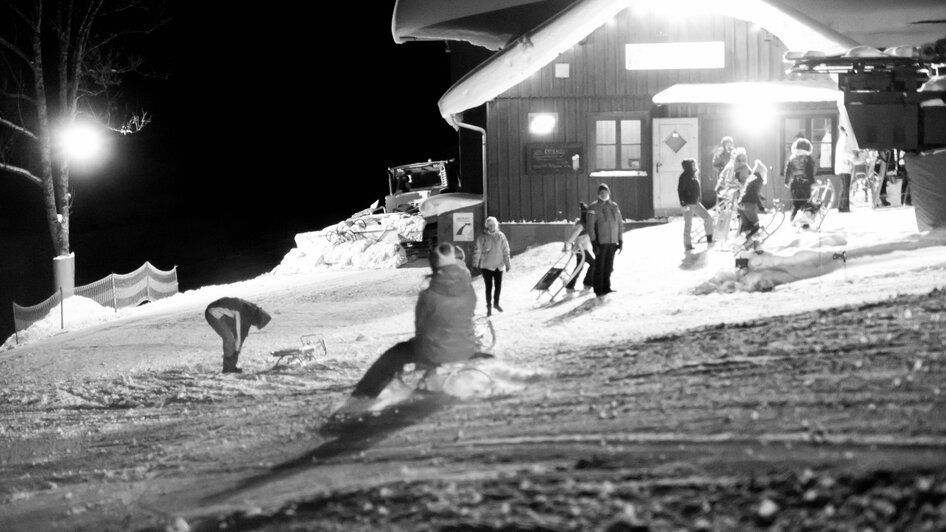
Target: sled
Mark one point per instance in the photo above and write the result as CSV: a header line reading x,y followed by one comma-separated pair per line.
x,y
813,214
312,346
724,220
562,272
765,231
419,381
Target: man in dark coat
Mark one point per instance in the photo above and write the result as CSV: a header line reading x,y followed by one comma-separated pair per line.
x,y
606,230
691,193
231,318
443,325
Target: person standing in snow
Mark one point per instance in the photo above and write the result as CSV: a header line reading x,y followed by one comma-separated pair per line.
x,y
691,194
443,327
722,155
580,243
605,229
800,175
750,202
844,158
231,318
490,254
728,188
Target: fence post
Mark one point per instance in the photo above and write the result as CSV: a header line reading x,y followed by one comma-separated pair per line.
x,y
111,278
16,332
62,311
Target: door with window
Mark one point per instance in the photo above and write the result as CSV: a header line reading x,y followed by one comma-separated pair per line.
x,y
675,139
817,129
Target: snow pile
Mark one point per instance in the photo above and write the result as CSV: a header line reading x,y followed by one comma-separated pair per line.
x,y
791,255
362,243
74,313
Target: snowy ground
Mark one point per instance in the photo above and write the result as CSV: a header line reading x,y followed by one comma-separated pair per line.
x,y
127,423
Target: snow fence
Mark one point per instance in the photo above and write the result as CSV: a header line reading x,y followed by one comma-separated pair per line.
x,y
364,242
117,290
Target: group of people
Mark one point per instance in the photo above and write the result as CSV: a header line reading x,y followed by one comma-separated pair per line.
x,y
443,315
848,161
738,187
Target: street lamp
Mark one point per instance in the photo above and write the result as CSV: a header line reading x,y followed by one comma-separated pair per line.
x,y
81,141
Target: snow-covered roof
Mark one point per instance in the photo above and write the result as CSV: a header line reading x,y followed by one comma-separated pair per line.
x,y
494,23
490,24
768,92
527,55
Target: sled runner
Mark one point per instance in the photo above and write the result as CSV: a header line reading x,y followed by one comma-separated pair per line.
x,y
562,272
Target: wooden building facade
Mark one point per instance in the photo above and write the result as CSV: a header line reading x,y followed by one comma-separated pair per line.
x,y
589,117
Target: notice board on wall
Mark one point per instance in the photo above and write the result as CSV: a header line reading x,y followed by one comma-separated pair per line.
x,y
553,158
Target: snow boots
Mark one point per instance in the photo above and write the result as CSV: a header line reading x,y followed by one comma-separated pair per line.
x,y
230,364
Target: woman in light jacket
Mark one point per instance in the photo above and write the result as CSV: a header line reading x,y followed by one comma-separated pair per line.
x,y
490,254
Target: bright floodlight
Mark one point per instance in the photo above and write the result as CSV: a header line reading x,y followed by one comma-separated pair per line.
x,y
81,142
542,123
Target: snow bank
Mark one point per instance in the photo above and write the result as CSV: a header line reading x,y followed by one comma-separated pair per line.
x,y
362,243
73,313
790,255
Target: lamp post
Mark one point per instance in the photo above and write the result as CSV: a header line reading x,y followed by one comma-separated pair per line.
x,y
82,142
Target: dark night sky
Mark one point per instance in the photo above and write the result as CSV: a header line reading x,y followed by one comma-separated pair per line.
x,y
269,124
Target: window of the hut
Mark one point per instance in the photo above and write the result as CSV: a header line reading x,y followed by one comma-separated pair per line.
x,y
816,128
617,144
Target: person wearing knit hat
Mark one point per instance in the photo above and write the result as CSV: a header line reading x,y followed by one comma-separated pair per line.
x,y
443,255
443,327
800,174
490,255
606,231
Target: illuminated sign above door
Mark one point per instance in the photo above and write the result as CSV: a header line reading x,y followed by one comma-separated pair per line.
x,y
675,55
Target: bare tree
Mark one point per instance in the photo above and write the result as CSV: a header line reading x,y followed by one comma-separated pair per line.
x,y
59,60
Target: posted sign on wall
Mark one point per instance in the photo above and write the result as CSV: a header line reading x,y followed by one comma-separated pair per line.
x,y
553,158
463,227
675,55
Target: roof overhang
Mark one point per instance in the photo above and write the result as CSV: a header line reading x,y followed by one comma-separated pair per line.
x,y
515,63
755,92
490,24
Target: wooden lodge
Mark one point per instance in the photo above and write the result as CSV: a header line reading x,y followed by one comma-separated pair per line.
x,y
590,117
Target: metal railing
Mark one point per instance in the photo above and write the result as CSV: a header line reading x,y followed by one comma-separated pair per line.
x,y
147,283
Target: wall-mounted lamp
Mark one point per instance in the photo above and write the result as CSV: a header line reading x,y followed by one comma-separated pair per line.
x,y
543,123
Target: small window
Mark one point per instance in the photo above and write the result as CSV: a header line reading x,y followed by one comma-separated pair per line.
x,y
617,144
818,130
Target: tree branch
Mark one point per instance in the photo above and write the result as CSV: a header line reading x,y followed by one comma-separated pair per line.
x,y
113,36
19,96
16,51
16,170
18,128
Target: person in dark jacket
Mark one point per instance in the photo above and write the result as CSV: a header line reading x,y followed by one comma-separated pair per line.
x,y
443,326
231,318
691,194
800,175
606,230
750,202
